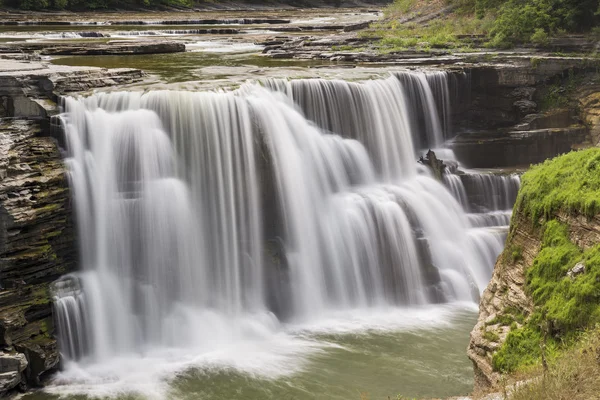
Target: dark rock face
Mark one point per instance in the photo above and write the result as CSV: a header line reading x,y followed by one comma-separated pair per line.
x,y
515,148
37,240
37,243
503,125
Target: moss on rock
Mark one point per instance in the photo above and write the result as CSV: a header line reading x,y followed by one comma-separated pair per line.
x,y
564,305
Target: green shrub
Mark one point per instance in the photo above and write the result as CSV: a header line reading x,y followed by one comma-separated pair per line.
x,y
540,36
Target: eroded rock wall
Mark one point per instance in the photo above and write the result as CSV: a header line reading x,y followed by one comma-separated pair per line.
x,y
37,242
506,300
37,238
527,110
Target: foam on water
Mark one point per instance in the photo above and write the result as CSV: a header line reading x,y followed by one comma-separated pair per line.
x,y
223,47
255,345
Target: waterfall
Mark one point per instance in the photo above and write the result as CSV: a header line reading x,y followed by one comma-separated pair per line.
x,y
203,215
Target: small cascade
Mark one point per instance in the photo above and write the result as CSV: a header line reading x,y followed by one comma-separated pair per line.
x,y
70,316
221,213
489,192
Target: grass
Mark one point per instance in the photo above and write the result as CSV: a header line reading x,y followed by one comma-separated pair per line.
x,y
573,375
448,32
570,183
452,31
400,7
564,307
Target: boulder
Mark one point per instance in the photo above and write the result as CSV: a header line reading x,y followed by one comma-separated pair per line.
x,y
578,269
525,107
12,366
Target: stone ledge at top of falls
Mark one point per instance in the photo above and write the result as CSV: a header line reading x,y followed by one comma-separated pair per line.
x,y
116,47
29,89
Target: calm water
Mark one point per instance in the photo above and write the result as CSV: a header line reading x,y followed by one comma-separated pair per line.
x,y
193,66
412,353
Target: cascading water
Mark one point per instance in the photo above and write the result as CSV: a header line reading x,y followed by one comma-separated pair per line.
x,y
180,195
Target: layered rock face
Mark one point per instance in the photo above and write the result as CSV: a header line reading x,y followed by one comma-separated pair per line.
x,y
36,244
504,294
37,238
507,302
511,121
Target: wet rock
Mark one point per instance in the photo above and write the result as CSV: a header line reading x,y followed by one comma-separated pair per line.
x,y
84,49
437,166
12,366
497,148
523,93
356,27
42,356
525,107
37,243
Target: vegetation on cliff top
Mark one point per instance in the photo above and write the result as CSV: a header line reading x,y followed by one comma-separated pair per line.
x,y
574,375
500,23
564,306
570,183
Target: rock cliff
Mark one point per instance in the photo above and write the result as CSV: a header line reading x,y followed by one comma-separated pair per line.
x,y
37,239
534,297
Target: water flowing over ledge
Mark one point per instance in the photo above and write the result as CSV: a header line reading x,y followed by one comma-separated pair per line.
x,y
208,220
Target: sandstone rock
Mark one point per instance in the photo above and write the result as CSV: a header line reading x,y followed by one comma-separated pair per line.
x,y
590,106
506,290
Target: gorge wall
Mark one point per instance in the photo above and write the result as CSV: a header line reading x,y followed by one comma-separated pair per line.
x,y
38,244
37,237
543,289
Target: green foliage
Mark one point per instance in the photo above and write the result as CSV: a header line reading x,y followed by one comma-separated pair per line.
x,y
569,183
574,374
491,336
521,348
508,316
540,36
533,20
564,306
516,253
32,4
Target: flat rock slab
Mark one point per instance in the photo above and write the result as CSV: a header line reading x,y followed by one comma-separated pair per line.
x,y
87,49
